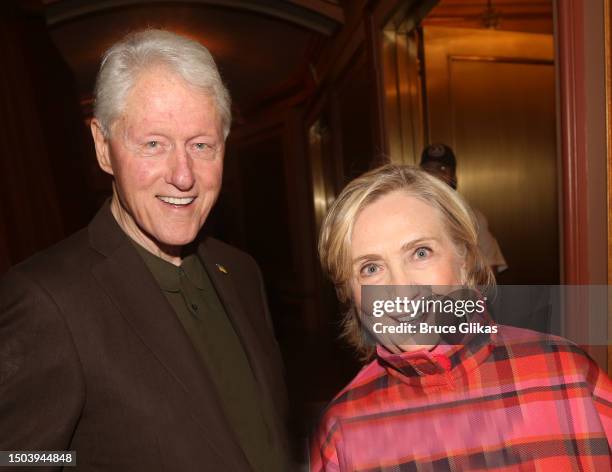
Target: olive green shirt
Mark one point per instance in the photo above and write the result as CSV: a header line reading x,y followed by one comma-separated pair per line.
x,y
194,299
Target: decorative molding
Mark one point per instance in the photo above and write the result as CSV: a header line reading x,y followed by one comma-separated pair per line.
x,y
584,98
572,137
317,15
501,59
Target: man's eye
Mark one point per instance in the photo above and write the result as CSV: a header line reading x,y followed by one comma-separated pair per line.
x,y
152,144
204,151
422,253
369,269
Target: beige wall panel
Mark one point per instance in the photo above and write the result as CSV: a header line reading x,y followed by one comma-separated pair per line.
x,y
442,43
491,96
502,118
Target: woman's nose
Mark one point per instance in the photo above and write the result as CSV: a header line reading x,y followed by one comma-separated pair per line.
x,y
401,276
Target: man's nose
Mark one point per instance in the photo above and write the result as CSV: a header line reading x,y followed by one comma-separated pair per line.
x,y
180,171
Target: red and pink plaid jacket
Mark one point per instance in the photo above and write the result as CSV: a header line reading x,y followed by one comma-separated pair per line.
x,y
513,401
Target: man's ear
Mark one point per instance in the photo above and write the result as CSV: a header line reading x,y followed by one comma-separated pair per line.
x,y
102,147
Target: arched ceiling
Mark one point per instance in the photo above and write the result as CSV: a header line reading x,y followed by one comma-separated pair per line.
x,y
263,48
318,15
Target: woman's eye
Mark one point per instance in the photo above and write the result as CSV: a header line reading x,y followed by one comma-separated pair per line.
x,y
422,253
369,269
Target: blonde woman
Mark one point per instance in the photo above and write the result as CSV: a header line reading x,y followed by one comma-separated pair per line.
x,y
505,399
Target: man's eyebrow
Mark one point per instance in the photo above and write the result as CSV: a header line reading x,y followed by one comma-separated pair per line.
x,y
203,134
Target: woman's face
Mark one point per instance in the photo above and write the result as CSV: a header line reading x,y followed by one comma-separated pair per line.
x,y
400,240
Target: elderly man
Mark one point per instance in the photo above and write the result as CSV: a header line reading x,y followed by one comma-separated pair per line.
x,y
131,342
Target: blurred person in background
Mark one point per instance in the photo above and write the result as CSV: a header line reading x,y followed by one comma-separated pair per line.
x,y
439,160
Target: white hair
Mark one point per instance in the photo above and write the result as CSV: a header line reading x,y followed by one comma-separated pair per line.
x,y
135,53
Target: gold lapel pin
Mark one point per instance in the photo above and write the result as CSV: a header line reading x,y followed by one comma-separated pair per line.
x,y
221,268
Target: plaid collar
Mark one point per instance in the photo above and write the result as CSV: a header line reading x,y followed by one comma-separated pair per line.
x,y
443,363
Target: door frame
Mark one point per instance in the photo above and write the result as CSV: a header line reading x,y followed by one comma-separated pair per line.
x,y
585,113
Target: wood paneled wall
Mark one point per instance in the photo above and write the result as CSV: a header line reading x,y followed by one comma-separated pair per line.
x,y
45,193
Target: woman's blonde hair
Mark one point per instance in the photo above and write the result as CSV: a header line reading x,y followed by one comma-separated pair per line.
x,y
337,228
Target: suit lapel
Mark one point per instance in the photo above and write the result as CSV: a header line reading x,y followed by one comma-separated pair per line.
x,y
266,369
129,284
227,290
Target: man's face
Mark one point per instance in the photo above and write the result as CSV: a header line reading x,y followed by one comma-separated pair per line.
x,y
166,155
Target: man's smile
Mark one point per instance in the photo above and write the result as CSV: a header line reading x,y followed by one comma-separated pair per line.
x,y
176,201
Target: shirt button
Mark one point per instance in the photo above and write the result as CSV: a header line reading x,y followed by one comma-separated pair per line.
x,y
194,306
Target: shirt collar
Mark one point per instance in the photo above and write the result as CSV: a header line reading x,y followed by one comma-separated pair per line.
x,y
440,363
168,276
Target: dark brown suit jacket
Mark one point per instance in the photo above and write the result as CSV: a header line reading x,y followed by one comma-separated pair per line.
x,y
93,358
